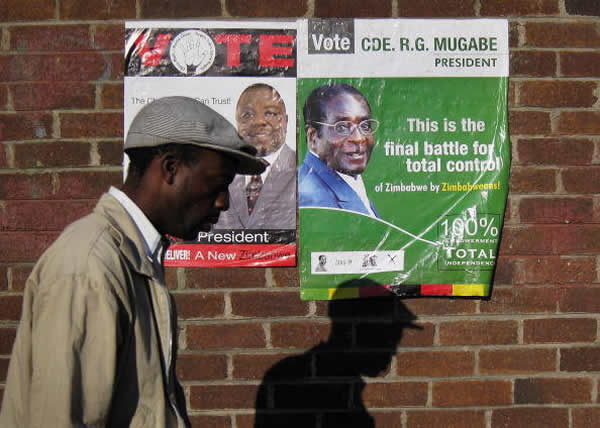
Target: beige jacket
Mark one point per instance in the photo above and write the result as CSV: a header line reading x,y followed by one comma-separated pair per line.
x,y
96,343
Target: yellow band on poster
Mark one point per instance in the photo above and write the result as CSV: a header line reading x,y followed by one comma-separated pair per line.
x,y
469,289
343,293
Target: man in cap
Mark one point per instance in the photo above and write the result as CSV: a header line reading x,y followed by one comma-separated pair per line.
x,y
268,200
96,345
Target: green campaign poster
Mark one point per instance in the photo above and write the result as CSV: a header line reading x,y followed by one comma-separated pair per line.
x,y
403,154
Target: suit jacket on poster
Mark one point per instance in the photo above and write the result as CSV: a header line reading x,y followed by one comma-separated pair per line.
x,y
276,204
96,345
319,186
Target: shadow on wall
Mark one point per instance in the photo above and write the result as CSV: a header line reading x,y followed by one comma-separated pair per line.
x,y
323,387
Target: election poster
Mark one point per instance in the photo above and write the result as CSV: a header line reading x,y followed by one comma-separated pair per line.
x,y
246,72
403,156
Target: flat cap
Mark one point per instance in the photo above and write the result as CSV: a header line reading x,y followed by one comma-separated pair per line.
x,y
183,120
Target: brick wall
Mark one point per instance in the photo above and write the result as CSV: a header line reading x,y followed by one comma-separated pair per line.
x,y
528,357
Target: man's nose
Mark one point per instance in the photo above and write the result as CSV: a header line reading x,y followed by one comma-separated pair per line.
x,y
356,135
222,201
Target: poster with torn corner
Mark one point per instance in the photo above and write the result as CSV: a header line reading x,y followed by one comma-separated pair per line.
x,y
246,71
403,156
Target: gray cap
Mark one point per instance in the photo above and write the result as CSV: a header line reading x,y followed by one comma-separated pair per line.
x,y
183,120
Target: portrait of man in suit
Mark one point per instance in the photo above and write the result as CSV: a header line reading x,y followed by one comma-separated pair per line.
x,y
340,138
266,201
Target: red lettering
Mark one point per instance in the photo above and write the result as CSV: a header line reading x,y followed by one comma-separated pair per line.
x,y
267,50
151,56
233,42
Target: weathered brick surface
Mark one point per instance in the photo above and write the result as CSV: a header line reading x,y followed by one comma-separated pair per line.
x,y
533,63
41,215
562,34
56,95
557,94
222,396
585,417
25,126
97,9
582,7
436,8
446,418
343,9
556,210
531,417
517,7
224,336
16,10
48,154
517,361
579,64
50,38
550,151
435,364
192,367
582,359
179,9
532,180
471,393
201,305
545,270
522,300
559,330
260,303
395,394
265,8
478,333
552,390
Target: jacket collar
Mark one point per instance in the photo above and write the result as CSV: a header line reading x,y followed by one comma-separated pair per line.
x,y
131,243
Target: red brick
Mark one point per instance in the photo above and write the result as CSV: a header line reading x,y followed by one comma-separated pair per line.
x,y
532,180
344,9
580,359
436,8
513,34
556,210
517,361
91,125
395,394
562,34
532,63
42,215
85,184
263,304
506,269
446,418
225,336
266,8
582,7
441,306
518,7
60,67
579,64
579,122
383,419
10,308
3,98
585,417
7,337
56,95
254,366
225,278
525,122
581,180
111,152
580,299
51,154
192,367
536,240
200,305
25,186
552,270
97,9
298,334
435,364
50,38
3,159
478,332
25,126
522,300
108,37
418,337
3,277
112,96
553,391
179,8
577,239
285,277
3,368
23,247
563,151
559,330
530,417
222,396
19,275
471,393
34,10
557,94
209,421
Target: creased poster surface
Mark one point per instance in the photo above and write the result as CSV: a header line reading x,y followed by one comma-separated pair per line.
x,y
404,156
246,71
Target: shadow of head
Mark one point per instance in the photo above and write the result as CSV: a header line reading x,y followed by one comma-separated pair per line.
x,y
366,331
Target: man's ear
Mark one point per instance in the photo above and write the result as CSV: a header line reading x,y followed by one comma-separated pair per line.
x,y
169,166
311,136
